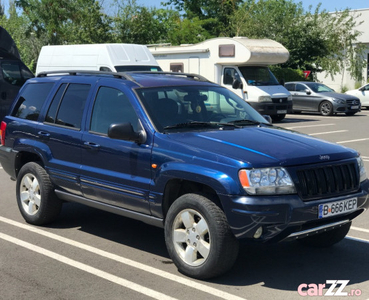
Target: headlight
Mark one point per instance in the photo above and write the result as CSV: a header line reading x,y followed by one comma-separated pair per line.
x,y
268,181
289,98
265,99
339,101
361,166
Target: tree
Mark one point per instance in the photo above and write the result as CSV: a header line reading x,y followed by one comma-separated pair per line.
x,y
66,21
316,40
16,25
136,24
220,12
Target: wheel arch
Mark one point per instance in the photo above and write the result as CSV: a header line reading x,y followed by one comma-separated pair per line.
x,y
177,187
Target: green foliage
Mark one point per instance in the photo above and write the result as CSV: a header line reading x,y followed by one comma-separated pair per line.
x,y
287,74
66,21
317,40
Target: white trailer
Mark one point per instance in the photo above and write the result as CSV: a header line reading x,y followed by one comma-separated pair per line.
x,y
239,63
96,57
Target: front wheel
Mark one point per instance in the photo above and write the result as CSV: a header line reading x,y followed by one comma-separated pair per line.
x,y
278,118
326,108
198,237
327,239
36,199
350,113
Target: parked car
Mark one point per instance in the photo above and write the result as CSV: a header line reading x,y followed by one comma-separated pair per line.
x,y
179,152
13,72
317,97
363,94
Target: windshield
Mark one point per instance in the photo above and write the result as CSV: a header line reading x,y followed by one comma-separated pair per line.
x,y
258,76
319,87
138,68
197,108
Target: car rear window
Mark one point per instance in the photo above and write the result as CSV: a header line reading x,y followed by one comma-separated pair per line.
x,y
31,100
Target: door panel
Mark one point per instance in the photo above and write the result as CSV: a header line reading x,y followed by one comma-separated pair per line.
x,y
115,172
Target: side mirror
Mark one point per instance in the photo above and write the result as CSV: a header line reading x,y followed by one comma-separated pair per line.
x,y
308,92
124,131
237,84
268,118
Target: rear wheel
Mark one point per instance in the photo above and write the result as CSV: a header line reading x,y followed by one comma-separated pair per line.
x,y
36,199
327,239
326,108
198,237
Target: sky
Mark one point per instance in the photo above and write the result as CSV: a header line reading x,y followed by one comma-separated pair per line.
x,y
329,5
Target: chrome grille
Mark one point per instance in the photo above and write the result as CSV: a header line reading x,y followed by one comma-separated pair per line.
x,y
327,181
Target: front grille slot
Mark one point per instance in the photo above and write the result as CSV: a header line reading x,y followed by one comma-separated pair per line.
x,y
327,181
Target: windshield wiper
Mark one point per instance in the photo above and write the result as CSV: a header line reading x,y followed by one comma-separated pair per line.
x,y
195,124
248,122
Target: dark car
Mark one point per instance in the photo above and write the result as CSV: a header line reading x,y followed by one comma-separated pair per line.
x,y
13,72
317,97
179,152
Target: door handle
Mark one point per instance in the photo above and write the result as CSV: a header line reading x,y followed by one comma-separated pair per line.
x,y
44,134
91,145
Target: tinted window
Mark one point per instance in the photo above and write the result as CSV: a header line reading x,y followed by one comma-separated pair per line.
x,y
72,105
229,75
111,107
300,87
137,68
31,100
14,73
290,86
51,114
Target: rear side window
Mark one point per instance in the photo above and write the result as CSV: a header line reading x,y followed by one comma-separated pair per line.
x,y
68,105
31,100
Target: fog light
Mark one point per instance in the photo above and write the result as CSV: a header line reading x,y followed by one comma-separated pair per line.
x,y
258,233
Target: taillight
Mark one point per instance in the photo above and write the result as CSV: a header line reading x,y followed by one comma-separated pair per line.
x,y
2,132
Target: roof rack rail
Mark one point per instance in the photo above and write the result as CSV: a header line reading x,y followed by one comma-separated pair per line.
x,y
188,75
122,75
84,72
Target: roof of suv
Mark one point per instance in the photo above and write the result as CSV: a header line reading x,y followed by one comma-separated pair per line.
x,y
143,79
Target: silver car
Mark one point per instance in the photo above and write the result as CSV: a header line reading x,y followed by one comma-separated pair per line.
x,y
313,96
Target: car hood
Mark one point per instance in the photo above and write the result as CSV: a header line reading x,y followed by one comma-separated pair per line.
x,y
338,95
274,91
259,147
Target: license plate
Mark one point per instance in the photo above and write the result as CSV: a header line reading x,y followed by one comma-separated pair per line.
x,y
284,111
355,107
337,208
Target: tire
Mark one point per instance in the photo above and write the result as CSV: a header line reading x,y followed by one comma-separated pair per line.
x,y
36,199
350,113
278,118
327,239
326,108
297,111
198,237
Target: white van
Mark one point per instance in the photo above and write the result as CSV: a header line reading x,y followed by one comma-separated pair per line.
x,y
96,57
239,60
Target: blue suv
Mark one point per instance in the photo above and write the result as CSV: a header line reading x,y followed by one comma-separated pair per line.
x,y
179,152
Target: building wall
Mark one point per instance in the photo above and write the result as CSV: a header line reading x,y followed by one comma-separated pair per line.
x,y
343,79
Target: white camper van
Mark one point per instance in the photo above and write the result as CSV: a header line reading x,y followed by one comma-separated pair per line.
x,y
239,63
96,57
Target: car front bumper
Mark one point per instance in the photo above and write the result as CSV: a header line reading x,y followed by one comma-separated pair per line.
x,y
286,216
